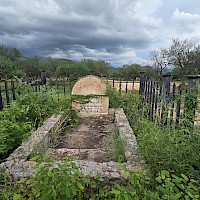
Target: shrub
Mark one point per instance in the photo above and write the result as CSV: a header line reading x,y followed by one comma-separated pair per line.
x,y
25,114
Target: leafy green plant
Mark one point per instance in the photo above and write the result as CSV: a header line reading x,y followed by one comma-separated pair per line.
x,y
38,105
176,187
11,135
7,188
63,180
25,114
58,181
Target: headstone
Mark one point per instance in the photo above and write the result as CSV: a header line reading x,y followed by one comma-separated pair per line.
x,y
94,89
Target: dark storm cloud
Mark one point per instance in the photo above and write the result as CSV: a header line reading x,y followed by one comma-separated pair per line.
x,y
75,29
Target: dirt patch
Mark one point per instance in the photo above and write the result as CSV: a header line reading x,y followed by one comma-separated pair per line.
x,y
90,140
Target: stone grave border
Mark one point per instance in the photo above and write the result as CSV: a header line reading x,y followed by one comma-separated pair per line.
x,y
18,165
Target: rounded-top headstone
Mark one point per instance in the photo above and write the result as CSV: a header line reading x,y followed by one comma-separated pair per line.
x,y
89,85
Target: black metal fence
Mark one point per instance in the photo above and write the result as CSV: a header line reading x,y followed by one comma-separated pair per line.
x,y
9,92
167,102
122,85
163,101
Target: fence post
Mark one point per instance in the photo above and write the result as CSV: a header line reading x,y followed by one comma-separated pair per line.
x,y
1,100
166,87
43,78
70,85
7,92
165,97
178,107
172,105
133,82
191,97
193,82
113,82
13,89
126,86
142,83
120,86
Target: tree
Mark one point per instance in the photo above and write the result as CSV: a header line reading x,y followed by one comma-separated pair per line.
x,y
31,66
115,72
6,67
182,56
50,65
150,73
131,71
185,56
98,67
12,53
160,60
8,59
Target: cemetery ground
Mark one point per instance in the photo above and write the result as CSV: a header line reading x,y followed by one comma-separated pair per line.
x,y
90,140
171,169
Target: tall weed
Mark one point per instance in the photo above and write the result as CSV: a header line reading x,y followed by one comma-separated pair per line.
x,y
25,114
175,150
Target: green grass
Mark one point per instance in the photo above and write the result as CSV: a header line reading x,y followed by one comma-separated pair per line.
x,y
117,150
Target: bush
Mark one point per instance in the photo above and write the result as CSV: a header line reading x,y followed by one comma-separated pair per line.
x,y
24,115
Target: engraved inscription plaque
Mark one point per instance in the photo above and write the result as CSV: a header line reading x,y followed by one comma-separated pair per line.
x,y
97,104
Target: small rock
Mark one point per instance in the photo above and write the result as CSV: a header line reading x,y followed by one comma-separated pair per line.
x,y
29,164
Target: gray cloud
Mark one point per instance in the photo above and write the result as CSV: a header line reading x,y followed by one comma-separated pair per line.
x,y
113,30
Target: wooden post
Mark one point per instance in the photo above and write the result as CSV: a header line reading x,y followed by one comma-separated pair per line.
x,y
193,82
70,85
142,83
165,97
1,100
153,89
178,107
172,105
113,82
64,84
126,86
191,98
43,78
156,98
133,83
13,89
166,87
159,100
7,92
120,86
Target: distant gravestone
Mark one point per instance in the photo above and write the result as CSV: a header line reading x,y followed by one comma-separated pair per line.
x,y
94,89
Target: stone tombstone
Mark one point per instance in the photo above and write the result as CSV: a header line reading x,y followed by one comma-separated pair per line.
x,y
97,103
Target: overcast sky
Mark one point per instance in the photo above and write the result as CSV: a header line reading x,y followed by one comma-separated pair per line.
x,y
118,31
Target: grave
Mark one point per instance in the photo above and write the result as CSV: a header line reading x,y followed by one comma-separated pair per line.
x,y
93,90
90,141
